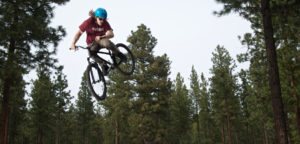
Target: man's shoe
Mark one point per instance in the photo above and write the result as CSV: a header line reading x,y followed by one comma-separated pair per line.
x,y
122,57
104,68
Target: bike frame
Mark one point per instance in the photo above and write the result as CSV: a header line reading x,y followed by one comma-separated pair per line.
x,y
96,64
105,53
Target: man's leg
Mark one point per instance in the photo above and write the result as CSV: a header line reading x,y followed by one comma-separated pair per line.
x,y
95,47
93,53
106,43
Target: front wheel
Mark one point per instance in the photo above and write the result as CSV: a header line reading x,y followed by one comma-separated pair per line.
x,y
126,67
95,81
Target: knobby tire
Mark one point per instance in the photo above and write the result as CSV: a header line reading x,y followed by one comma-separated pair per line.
x,y
93,76
128,67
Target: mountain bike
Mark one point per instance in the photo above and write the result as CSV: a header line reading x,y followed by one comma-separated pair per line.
x,y
94,75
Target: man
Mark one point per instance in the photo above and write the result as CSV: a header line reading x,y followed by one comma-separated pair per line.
x,y
98,32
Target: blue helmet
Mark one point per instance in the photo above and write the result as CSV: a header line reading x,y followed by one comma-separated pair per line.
x,y
101,12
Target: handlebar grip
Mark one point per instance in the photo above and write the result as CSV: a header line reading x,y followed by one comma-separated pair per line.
x,y
103,37
76,48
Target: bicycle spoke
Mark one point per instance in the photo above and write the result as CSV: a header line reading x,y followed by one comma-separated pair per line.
x,y
126,67
96,82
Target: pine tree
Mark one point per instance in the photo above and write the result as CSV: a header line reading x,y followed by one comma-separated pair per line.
x,y
287,31
117,106
180,109
252,115
62,103
24,25
254,90
70,128
289,76
206,120
43,107
269,19
85,115
279,116
18,111
245,92
98,127
195,96
222,87
152,87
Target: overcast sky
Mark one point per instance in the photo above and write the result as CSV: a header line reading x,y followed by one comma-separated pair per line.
x,y
186,30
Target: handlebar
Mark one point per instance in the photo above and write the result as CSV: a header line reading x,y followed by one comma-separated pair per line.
x,y
76,47
81,47
101,37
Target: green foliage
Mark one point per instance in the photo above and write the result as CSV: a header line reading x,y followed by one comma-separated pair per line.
x,y
209,132
48,113
69,132
152,87
43,106
254,91
25,25
225,103
60,84
146,107
85,115
195,97
285,22
195,91
118,108
180,110
18,111
288,61
137,108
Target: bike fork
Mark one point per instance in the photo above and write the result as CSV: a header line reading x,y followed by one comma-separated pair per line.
x,y
91,71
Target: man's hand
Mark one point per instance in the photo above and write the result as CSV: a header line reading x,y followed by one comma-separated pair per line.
x,y
76,37
98,38
73,47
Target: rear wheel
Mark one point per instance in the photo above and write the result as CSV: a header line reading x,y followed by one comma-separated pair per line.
x,y
96,81
126,67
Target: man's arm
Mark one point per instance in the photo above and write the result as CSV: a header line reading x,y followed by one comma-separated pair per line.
x,y
109,34
76,38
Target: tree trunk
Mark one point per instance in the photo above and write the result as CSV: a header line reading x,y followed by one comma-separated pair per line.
x,y
277,104
247,132
58,129
198,125
41,135
223,135
266,140
208,132
297,109
253,137
228,123
57,138
228,129
8,78
117,132
237,138
5,111
12,123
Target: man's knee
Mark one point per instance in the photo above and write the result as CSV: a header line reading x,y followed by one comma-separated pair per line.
x,y
94,46
105,43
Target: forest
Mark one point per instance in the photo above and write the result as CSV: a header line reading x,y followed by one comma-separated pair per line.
x,y
256,105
